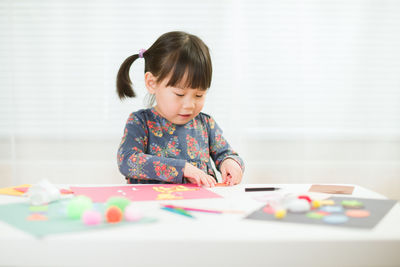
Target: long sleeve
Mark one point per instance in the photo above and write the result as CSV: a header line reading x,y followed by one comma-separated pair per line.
x,y
219,146
134,162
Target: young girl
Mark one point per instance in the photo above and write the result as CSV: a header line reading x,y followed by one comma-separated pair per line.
x,y
173,141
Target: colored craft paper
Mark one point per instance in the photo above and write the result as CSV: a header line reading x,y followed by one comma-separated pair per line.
x,y
145,192
23,189
12,191
54,220
377,209
332,189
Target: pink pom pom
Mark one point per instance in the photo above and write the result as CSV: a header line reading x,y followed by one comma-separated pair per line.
x,y
132,214
91,217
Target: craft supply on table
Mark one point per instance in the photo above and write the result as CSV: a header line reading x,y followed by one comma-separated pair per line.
x,y
257,189
114,214
335,219
332,189
120,202
77,206
280,213
21,190
66,215
178,211
91,217
146,192
336,211
194,209
298,206
43,192
132,213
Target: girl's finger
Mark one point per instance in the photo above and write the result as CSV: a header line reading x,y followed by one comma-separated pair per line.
x,y
224,175
212,181
205,181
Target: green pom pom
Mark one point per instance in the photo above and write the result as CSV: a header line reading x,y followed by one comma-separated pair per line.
x,y
120,202
77,206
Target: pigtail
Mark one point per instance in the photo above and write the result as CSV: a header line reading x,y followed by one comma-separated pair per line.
x,y
124,83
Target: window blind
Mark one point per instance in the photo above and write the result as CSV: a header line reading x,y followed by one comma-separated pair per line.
x,y
279,66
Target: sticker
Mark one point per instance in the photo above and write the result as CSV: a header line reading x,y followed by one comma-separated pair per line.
x,y
353,204
268,209
332,209
37,217
327,202
315,215
335,219
42,208
358,213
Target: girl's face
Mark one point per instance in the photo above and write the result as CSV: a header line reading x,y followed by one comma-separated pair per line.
x,y
178,105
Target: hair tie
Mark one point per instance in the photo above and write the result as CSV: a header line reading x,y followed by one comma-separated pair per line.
x,y
141,51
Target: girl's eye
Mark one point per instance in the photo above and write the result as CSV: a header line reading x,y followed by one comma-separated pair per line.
x,y
199,96
179,94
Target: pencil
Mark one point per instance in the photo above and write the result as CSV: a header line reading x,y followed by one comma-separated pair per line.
x,y
178,211
253,189
192,209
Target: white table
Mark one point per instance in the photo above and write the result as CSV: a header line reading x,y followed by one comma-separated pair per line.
x,y
210,239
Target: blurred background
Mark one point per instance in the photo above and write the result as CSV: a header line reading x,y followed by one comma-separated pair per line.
x,y
306,91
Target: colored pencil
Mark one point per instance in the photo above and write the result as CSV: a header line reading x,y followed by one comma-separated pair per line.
x,y
178,211
193,209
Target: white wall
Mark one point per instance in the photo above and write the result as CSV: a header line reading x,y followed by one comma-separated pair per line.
x,y
306,91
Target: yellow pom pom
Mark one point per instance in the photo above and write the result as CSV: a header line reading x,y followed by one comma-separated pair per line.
x,y
280,214
316,203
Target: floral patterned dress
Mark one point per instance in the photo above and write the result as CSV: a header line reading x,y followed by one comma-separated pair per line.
x,y
154,150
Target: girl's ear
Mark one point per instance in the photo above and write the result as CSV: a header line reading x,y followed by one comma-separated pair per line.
x,y
150,82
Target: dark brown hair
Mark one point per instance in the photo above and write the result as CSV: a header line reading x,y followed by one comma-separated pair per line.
x,y
173,54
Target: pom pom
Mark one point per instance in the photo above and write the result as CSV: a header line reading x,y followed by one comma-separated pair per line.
x,y
132,214
77,206
316,204
91,217
114,214
120,202
280,214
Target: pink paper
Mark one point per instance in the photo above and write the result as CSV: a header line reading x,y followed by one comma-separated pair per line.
x,y
21,189
145,192
25,189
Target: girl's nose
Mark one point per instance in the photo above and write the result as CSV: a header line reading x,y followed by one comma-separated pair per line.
x,y
189,103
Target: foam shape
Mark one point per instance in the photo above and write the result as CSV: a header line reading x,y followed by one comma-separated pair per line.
x,y
327,202
120,202
331,209
298,206
37,217
77,206
114,214
269,209
353,204
335,219
315,215
43,208
132,213
91,217
358,213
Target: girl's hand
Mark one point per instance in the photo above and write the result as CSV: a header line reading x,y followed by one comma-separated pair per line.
x,y
231,172
196,176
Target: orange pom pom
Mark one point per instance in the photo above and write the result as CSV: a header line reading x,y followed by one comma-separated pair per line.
x,y
114,214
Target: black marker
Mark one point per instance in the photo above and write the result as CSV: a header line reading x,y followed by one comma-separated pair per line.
x,y
254,189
